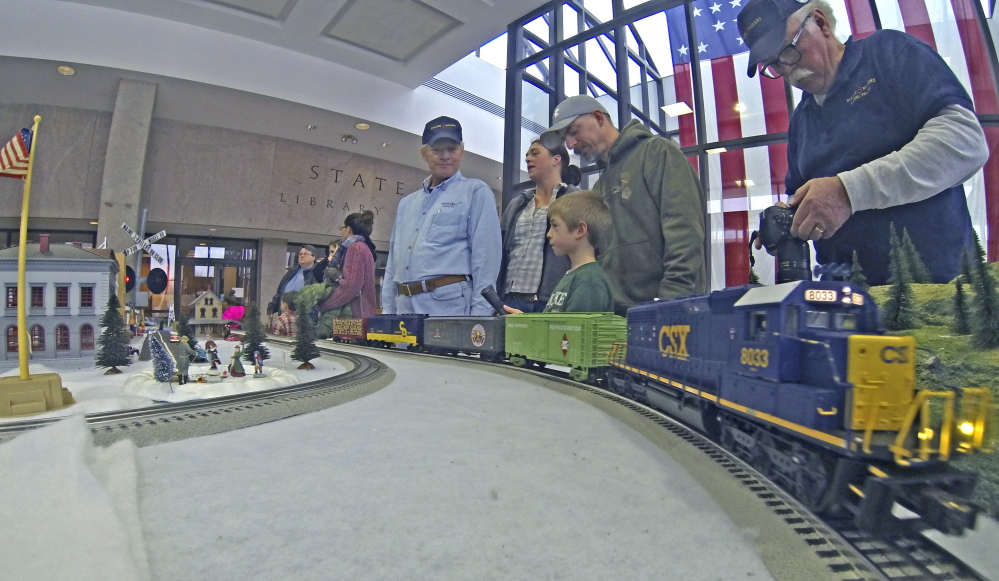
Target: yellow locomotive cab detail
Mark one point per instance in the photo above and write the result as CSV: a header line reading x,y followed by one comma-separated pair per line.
x,y
882,370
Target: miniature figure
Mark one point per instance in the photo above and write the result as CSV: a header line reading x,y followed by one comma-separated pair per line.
x,y
258,365
184,355
236,366
212,353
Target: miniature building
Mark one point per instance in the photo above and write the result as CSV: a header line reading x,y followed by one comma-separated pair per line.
x,y
205,314
68,290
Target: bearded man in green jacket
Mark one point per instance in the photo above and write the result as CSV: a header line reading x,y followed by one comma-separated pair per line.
x,y
656,247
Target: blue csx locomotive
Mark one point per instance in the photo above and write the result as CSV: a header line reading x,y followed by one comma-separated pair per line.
x,y
800,380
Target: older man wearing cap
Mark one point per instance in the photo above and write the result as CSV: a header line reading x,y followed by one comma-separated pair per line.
x,y
303,273
885,134
446,244
656,246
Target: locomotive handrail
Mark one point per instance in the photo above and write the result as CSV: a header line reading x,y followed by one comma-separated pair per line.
x,y
925,435
829,357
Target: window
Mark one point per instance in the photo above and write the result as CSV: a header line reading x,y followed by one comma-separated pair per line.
x,y
62,338
37,339
86,337
87,298
37,296
12,297
62,296
845,321
12,339
817,319
758,326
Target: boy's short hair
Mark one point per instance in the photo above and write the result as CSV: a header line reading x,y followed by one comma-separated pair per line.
x,y
584,206
289,298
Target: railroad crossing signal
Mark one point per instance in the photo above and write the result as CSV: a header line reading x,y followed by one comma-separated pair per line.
x,y
143,244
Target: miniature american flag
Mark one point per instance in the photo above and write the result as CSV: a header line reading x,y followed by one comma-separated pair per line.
x,y
14,156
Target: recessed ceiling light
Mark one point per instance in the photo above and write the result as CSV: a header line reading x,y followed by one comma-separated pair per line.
x,y
362,126
203,244
311,127
715,150
741,107
677,109
66,70
385,144
93,223
212,229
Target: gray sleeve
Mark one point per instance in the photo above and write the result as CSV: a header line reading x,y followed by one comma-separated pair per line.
x,y
948,150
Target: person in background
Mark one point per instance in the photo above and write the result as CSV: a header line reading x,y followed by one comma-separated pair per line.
x,y
579,220
446,245
656,245
287,322
320,268
232,308
355,256
297,276
885,133
530,268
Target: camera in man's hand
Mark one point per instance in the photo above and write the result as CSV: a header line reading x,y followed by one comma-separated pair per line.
x,y
792,254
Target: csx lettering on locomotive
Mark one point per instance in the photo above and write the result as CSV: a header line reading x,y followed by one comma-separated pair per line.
x,y
892,354
673,341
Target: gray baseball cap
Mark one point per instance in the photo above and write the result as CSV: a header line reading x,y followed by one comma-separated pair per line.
x,y
565,114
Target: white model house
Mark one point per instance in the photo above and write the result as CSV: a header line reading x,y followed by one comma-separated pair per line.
x,y
68,290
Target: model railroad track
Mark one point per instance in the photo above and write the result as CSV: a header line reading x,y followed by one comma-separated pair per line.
x,y
848,552
238,410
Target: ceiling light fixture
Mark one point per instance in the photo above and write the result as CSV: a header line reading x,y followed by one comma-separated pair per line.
x,y
677,109
212,229
93,223
715,150
66,70
385,144
311,127
741,107
350,138
363,126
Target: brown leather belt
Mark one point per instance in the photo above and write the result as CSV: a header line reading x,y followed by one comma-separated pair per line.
x,y
408,289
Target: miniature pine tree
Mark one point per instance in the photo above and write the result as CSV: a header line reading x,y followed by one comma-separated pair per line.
x,y
753,277
253,339
918,270
985,303
305,342
857,274
184,329
163,364
900,308
961,326
114,338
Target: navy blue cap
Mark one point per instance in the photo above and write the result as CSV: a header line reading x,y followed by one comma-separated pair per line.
x,y
441,128
763,25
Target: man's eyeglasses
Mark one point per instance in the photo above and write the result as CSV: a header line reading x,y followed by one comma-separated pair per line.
x,y
788,56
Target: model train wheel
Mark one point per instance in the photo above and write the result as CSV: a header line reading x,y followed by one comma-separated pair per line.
x,y
518,361
811,482
580,375
761,460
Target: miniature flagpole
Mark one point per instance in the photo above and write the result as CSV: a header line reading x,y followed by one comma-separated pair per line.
x,y
22,260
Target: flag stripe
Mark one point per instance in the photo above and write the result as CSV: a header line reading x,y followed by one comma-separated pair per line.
x,y
14,158
917,21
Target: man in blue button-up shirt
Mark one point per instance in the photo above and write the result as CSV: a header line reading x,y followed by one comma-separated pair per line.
x,y
446,244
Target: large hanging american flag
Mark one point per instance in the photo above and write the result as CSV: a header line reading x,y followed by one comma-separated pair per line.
x,y
14,156
743,182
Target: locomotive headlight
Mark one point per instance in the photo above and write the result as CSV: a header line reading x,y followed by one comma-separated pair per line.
x,y
967,428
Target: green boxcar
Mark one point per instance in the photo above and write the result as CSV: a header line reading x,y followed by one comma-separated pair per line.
x,y
578,340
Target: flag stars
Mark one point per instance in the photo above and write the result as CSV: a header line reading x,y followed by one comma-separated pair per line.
x,y
719,26
702,47
716,7
697,12
736,3
683,50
